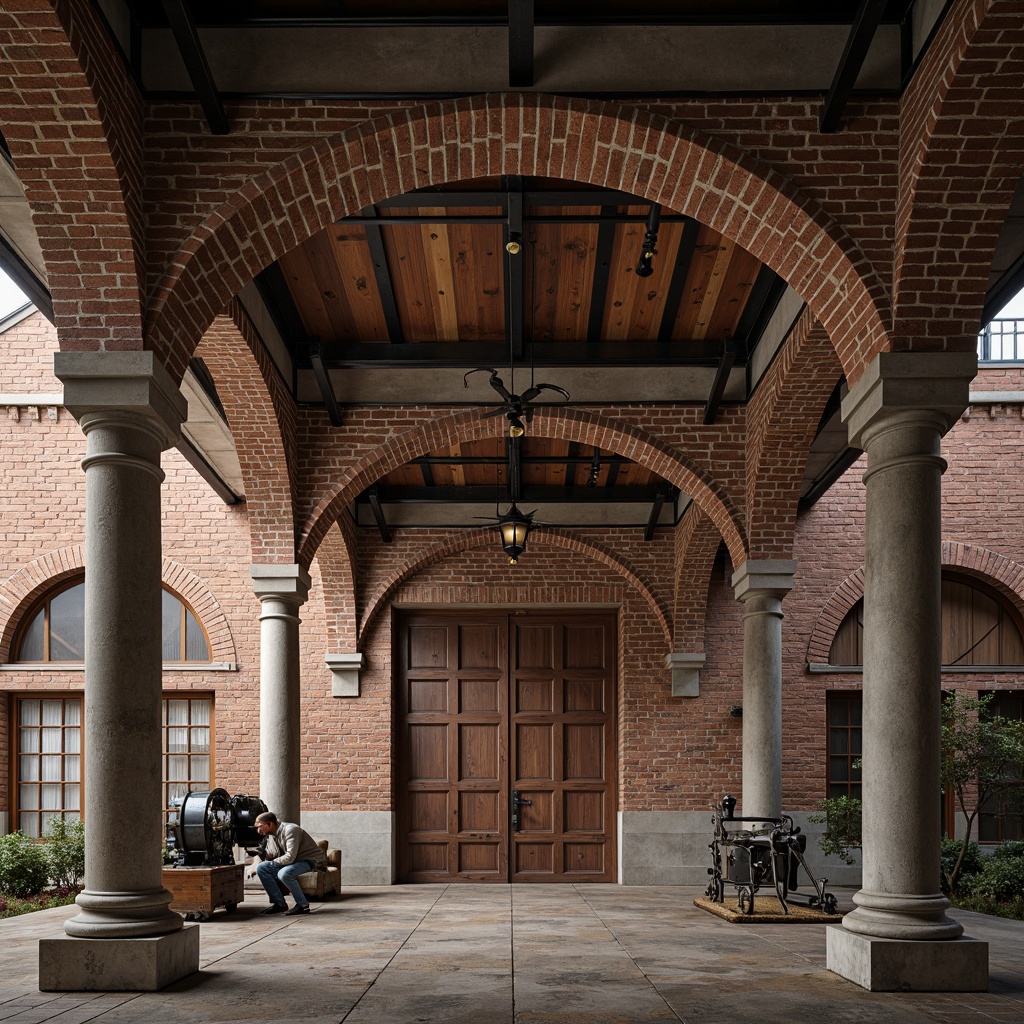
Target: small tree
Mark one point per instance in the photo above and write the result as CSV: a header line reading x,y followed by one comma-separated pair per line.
x,y
842,821
982,757
65,851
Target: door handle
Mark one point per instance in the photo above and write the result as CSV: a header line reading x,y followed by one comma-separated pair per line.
x,y
517,802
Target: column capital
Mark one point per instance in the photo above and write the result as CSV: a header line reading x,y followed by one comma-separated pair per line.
x,y
774,575
283,582
904,383
115,388
685,668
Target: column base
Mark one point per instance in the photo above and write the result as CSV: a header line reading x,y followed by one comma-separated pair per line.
x,y
117,965
907,965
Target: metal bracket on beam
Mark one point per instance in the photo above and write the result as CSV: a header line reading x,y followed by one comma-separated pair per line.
x,y
373,497
187,37
323,379
661,495
725,365
858,43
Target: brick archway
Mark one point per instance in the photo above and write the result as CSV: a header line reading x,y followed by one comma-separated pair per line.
x,y
565,423
599,143
999,572
540,537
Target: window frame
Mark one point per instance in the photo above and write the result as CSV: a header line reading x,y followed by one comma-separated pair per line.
x,y
846,697
1000,814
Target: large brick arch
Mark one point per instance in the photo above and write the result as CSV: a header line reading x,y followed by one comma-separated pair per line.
x,y
782,419
997,571
20,591
696,542
606,144
540,537
568,423
72,118
961,157
336,558
261,415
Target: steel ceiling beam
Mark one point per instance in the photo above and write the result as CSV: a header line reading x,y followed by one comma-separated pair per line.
x,y
602,273
382,274
520,44
323,379
187,37
721,380
514,276
661,495
869,16
677,285
485,494
373,497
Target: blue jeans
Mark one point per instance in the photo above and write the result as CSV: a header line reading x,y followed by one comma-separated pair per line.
x,y
288,875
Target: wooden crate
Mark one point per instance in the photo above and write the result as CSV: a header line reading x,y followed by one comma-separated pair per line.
x,y
197,892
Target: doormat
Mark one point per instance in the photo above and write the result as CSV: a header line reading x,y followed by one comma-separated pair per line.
x,y
767,910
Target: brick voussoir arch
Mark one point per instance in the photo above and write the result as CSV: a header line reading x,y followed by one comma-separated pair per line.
x,y
999,572
566,423
540,537
606,144
20,591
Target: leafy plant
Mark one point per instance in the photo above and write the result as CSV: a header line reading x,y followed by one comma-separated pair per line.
x,y
970,864
1000,880
982,756
65,851
842,821
1011,848
23,867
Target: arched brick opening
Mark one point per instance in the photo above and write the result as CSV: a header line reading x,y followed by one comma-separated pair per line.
x,y
541,537
61,69
20,591
259,411
335,556
999,572
566,423
782,419
605,144
697,542
961,158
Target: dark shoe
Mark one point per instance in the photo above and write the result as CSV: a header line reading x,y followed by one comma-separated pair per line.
x,y
304,909
276,908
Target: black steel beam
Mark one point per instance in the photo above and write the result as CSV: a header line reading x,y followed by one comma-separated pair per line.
x,y
764,296
869,16
531,197
427,473
520,44
721,380
571,462
613,473
373,497
490,218
525,460
382,273
484,494
187,38
660,497
677,285
35,291
323,379
602,273
514,476
514,276
277,297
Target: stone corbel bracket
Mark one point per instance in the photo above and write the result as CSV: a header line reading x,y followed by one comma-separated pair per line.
x,y
345,670
685,670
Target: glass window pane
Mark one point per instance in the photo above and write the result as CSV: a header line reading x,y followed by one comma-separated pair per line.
x,y
200,740
201,711
28,740
838,711
72,741
171,627
72,767
177,768
838,741
32,639
837,769
200,773
856,706
177,712
52,741
175,792
73,711
195,642
53,767
45,820
28,798
52,798
72,796
177,741
29,824
28,713
29,768
67,625
855,741
52,712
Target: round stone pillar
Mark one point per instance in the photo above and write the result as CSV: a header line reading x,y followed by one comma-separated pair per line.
x,y
898,413
129,410
761,586
282,589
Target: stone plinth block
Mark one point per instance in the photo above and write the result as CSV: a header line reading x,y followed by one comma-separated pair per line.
x,y
905,965
117,965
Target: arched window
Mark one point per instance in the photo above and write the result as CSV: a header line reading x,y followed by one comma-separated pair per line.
x,y
979,627
55,631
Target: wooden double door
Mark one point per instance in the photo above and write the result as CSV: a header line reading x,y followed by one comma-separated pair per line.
x,y
506,747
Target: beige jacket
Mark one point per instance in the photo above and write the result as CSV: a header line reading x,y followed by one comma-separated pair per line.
x,y
290,843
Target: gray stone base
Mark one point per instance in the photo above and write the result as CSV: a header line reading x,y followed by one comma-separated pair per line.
x,y
67,964
903,965
366,840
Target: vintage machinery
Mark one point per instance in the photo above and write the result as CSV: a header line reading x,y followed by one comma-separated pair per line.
x,y
768,850
206,826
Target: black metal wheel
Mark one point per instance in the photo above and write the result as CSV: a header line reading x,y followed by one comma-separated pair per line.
x,y
746,900
231,907
829,904
719,895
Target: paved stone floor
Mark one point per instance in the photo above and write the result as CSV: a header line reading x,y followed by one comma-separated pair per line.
x,y
522,954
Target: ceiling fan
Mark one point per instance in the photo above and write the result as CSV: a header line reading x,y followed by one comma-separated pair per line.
x,y
515,408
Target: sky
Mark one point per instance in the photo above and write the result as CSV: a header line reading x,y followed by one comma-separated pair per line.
x,y
11,299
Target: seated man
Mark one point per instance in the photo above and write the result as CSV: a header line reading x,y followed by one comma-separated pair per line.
x,y
286,852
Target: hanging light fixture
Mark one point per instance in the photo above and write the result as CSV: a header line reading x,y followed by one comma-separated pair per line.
x,y
515,528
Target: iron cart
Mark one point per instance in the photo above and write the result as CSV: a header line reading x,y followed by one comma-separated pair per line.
x,y
748,853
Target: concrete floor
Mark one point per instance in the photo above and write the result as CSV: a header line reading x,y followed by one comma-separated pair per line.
x,y
523,954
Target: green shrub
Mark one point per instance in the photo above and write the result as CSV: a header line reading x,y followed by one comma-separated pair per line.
x,y
1011,848
23,867
1001,880
842,821
973,861
65,852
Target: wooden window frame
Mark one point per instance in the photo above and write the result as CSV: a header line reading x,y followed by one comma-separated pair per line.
x,y
1000,815
833,697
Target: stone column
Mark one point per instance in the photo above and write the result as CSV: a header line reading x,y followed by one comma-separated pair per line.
x,y
761,586
130,410
281,590
897,412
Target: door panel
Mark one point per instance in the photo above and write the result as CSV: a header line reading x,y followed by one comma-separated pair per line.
x,y
490,704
